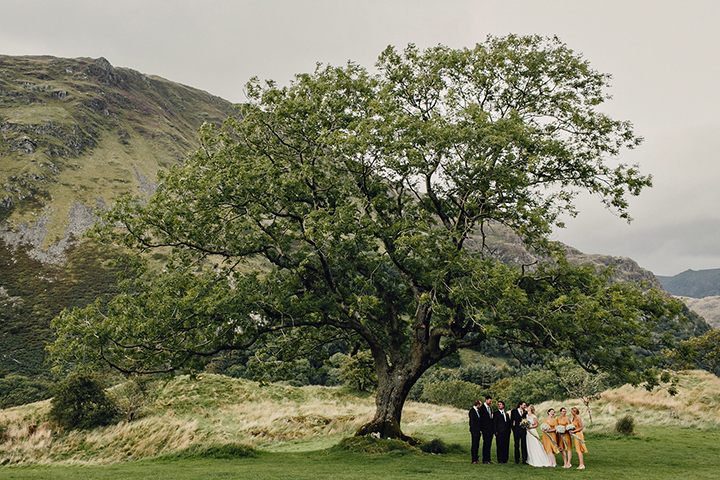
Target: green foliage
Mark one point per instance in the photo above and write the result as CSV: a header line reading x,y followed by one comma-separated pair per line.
x,y
458,393
625,425
439,446
358,371
80,402
368,444
357,205
531,385
33,293
20,390
482,374
702,352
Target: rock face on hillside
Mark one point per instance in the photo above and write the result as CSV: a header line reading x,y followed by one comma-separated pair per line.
x,y
75,133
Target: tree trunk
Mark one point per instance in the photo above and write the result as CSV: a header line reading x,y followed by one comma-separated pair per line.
x,y
394,384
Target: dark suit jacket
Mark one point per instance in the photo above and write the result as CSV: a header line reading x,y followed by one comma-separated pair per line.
x,y
486,421
474,420
502,423
515,420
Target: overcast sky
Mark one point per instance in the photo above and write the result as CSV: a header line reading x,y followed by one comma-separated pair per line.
x,y
663,56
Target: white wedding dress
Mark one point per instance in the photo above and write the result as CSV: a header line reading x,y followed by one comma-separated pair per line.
x,y
537,457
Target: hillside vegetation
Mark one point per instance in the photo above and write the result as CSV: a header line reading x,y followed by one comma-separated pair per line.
x,y
75,134
192,414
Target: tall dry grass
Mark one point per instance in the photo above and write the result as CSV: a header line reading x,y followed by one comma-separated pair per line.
x,y
696,404
205,410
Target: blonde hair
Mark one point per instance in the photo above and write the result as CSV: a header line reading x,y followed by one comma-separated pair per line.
x,y
531,408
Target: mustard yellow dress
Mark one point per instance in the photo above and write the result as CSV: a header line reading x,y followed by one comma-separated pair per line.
x,y
578,437
549,438
564,440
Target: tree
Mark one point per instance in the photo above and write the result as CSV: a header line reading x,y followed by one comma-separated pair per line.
x,y
579,383
702,351
358,205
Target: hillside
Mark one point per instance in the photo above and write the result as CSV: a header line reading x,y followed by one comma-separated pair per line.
x,y
75,134
706,307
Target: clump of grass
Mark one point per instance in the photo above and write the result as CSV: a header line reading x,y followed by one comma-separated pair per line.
x,y
437,446
625,425
370,444
219,451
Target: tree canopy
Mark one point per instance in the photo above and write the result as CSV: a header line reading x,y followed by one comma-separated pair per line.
x,y
359,205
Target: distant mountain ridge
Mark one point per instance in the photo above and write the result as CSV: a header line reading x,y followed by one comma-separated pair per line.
x,y
693,283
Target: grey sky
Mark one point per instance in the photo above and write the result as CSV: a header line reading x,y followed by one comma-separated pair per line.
x,y
663,56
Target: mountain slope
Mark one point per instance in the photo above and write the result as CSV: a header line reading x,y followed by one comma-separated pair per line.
x,y
78,132
75,134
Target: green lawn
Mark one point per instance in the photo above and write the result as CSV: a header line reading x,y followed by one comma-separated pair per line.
x,y
653,453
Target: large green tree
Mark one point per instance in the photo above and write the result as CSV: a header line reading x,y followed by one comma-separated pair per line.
x,y
358,204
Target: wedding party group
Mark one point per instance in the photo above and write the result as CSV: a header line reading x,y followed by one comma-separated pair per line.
x,y
559,434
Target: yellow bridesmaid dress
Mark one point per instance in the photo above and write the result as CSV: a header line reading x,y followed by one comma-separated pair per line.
x,y
579,440
564,440
549,438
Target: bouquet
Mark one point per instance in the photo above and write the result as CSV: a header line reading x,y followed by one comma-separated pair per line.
x,y
524,423
570,427
560,429
544,427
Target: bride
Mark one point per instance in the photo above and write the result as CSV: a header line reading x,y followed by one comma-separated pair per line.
x,y
536,453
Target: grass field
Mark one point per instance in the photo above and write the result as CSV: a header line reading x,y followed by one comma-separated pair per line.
x,y
654,453
203,428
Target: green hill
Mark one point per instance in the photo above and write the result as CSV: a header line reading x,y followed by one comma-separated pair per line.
x,y
74,134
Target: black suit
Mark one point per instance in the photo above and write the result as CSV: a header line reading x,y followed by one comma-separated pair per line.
x,y
474,418
502,435
487,427
519,435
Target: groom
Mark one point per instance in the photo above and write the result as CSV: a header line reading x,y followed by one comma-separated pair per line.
x,y
516,416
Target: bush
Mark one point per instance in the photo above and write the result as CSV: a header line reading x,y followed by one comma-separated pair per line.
x,y
457,393
132,398
625,425
80,402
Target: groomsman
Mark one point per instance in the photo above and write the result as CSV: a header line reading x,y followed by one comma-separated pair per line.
x,y
475,432
517,416
487,427
502,432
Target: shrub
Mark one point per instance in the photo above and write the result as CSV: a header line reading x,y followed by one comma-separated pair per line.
x,y
625,425
132,398
457,393
80,402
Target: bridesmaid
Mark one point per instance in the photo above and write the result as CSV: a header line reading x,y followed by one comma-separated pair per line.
x,y
578,436
564,440
548,437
